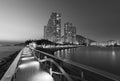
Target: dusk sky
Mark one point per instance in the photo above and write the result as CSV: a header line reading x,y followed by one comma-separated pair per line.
x,y
25,19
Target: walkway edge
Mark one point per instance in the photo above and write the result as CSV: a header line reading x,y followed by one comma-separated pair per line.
x,y
11,70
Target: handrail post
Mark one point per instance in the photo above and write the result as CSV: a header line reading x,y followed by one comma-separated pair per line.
x,y
45,57
60,77
50,70
82,75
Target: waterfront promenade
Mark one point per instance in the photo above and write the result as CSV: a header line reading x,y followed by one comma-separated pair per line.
x,y
27,67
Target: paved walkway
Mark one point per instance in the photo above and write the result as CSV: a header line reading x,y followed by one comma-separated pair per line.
x,y
29,69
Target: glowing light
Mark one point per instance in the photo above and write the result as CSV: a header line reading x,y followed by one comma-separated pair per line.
x,y
27,58
113,53
113,56
29,64
26,54
42,76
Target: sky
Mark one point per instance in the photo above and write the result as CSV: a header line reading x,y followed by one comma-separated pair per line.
x,y
25,19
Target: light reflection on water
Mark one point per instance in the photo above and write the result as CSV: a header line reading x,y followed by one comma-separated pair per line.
x,y
63,54
5,51
113,55
107,59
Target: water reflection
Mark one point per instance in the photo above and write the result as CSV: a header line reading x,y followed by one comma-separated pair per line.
x,y
106,59
63,54
113,56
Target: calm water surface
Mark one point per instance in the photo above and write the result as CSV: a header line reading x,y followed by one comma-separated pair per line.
x,y
5,51
106,59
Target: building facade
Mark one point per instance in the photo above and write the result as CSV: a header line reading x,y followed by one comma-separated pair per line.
x,y
69,33
52,31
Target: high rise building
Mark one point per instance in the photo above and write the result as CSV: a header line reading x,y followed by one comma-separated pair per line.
x,y
69,33
52,31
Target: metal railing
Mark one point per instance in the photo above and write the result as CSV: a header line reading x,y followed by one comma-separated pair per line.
x,y
83,73
44,59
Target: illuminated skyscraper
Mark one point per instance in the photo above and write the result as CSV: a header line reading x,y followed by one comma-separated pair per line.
x,y
52,31
69,33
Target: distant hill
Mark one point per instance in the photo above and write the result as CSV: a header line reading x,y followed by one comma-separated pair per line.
x,y
83,40
80,36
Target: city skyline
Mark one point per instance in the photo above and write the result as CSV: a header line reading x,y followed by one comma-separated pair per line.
x,y
22,19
